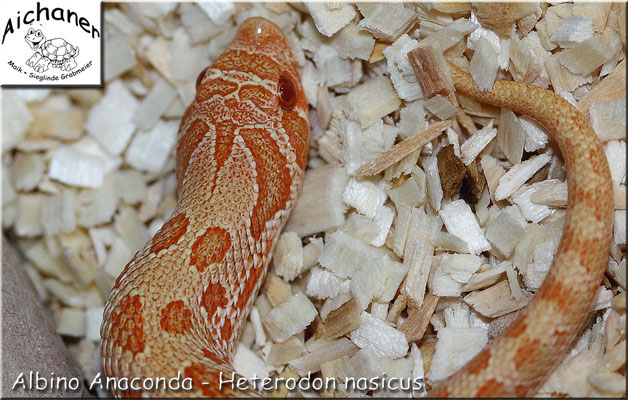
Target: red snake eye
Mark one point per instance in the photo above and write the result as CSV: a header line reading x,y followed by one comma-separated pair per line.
x,y
200,77
287,93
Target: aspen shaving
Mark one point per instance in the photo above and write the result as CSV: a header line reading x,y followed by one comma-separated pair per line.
x,y
402,149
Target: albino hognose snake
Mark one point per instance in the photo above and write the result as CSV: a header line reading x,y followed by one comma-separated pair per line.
x,y
180,303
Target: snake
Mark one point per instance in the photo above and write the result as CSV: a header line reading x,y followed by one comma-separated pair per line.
x,y
178,307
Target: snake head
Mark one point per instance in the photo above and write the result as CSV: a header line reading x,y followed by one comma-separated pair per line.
x,y
274,62
261,49
255,81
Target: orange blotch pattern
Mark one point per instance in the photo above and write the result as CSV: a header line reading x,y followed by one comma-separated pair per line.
x,y
521,391
224,144
273,178
199,374
249,286
226,331
216,86
131,394
480,362
258,95
527,353
170,233
187,144
127,325
491,388
587,254
213,356
214,296
245,113
256,64
175,318
210,248
298,132
556,292
516,329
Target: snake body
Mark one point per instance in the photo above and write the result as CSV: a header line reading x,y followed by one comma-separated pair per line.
x,y
517,362
178,306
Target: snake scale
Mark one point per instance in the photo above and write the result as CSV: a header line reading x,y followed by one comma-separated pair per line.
x,y
180,303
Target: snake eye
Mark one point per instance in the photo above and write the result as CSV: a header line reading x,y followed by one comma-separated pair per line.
x,y
287,93
200,77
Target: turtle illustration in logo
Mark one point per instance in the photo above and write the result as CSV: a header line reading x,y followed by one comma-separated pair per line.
x,y
56,53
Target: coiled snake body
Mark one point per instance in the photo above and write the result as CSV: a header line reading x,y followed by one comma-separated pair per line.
x,y
178,306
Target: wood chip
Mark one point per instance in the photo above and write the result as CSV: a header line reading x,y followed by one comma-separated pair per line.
x,y
454,348
486,276
504,231
441,107
113,133
453,271
323,284
511,136
342,320
401,72
573,30
492,172
460,221
451,170
433,73
619,195
418,318
288,256
519,174
276,289
435,191
472,147
387,21
282,353
402,149
449,35
27,171
319,206
292,316
585,57
352,42
418,254
329,19
378,52
365,196
497,300
608,118
484,64
327,351
613,87
562,79
500,17
372,100
376,335
553,195
365,364
473,183
599,12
